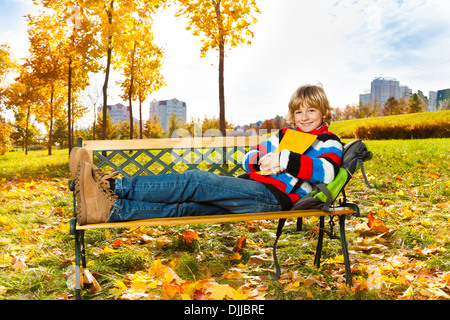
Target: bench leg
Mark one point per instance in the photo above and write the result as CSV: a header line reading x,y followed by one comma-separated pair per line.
x,y
348,273
299,224
80,258
319,242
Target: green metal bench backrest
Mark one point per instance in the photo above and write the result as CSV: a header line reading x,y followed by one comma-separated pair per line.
x,y
153,161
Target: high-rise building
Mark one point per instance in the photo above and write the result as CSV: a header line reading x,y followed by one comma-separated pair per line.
x,y
432,100
382,88
118,113
163,109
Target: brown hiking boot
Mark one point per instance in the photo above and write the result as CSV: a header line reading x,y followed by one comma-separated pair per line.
x,y
76,155
80,154
93,198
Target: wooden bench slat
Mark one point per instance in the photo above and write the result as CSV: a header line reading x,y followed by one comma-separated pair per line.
x,y
169,143
219,218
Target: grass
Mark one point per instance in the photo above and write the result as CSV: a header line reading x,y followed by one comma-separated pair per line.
x,y
346,126
409,193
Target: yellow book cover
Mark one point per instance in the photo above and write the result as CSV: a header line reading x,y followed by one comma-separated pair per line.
x,y
294,141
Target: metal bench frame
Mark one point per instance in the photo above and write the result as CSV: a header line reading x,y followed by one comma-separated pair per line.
x,y
155,154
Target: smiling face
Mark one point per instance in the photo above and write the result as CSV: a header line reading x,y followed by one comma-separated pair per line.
x,y
308,119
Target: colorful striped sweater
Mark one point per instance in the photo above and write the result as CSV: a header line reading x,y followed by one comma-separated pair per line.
x,y
320,163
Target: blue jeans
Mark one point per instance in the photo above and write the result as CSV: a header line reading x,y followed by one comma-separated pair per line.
x,y
193,192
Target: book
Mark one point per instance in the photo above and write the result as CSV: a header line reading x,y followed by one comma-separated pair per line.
x,y
294,141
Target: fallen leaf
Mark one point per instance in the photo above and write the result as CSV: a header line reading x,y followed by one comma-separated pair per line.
x,y
224,291
376,224
240,244
118,242
18,263
189,235
236,256
258,260
108,250
235,274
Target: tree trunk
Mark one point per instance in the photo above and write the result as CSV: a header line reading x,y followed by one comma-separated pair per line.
x,y
222,91
26,129
69,110
221,70
105,84
50,131
140,118
130,91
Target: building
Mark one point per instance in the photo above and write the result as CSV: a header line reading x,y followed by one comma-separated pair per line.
x,y
382,88
432,101
365,97
118,113
163,110
441,96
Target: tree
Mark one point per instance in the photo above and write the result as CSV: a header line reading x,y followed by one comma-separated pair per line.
x,y
24,136
174,124
46,63
23,102
220,24
414,104
5,139
111,129
444,105
61,132
79,48
391,107
139,59
152,128
7,65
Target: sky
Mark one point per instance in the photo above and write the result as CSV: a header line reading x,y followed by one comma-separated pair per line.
x,y
341,44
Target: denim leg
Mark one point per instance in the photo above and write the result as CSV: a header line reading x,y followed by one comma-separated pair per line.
x,y
229,194
127,210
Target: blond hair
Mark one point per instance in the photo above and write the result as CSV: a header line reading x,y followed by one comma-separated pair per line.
x,y
312,96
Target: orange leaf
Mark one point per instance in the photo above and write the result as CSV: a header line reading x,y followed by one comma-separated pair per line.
x,y
118,242
189,235
376,224
240,244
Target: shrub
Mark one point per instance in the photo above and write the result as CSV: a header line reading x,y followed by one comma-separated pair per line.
x,y
437,128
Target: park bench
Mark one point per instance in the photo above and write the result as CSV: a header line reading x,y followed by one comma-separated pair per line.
x,y
221,155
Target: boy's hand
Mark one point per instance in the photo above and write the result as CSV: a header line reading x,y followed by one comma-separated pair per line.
x,y
270,162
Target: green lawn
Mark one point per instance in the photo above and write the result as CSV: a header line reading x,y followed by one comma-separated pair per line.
x,y
411,260
346,126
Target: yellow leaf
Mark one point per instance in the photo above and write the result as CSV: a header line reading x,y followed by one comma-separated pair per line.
x,y
108,250
408,293
5,241
224,291
139,284
3,290
3,221
235,274
236,256
400,193
118,289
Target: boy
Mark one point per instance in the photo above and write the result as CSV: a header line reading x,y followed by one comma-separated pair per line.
x,y
101,198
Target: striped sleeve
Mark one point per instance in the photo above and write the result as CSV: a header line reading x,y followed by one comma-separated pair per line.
x,y
251,158
320,163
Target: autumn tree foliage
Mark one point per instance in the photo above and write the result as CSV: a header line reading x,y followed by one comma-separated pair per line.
x,y
79,49
220,24
139,59
7,65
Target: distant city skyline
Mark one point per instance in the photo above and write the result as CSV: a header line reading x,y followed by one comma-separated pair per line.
x,y
342,44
